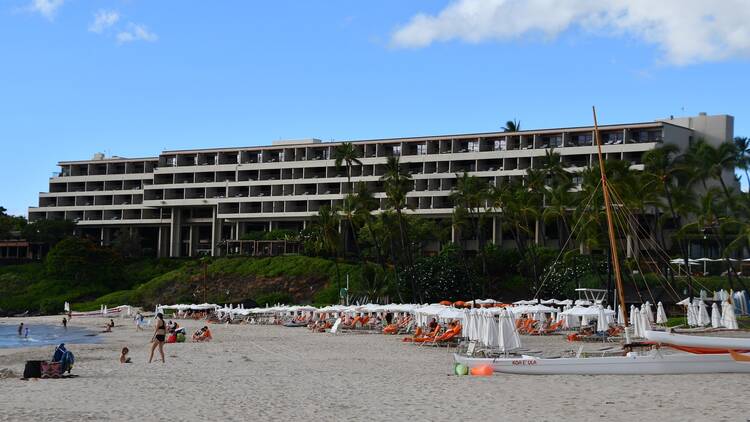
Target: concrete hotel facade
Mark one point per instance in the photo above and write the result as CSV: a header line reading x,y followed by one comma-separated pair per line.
x,y
182,203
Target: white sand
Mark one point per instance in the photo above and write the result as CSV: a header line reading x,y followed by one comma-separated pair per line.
x,y
277,373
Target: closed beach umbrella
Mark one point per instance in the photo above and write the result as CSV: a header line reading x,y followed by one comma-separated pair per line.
x,y
636,322
704,318
491,330
715,316
620,316
601,321
649,312
661,316
508,338
645,323
691,317
728,318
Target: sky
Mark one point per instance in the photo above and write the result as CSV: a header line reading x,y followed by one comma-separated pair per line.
x,y
135,77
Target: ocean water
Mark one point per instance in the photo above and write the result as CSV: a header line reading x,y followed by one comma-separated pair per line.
x,y
44,335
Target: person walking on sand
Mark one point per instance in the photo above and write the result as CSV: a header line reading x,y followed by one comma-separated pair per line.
x,y
138,322
160,334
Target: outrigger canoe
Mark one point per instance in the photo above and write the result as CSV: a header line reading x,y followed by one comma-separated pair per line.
x,y
653,363
718,344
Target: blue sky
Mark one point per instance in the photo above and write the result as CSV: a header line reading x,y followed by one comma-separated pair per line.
x,y
170,74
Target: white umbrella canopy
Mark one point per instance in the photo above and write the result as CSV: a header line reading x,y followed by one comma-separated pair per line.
x,y
703,317
728,318
583,302
508,338
715,316
692,315
661,316
601,321
620,316
490,330
645,323
636,322
684,302
566,302
649,311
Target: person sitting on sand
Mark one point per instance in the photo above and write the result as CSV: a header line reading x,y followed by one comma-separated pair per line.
x,y
111,323
124,355
204,334
433,324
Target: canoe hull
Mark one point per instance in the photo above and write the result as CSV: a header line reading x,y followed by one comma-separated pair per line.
x,y
725,343
652,364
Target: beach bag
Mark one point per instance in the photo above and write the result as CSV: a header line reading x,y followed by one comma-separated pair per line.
x,y
172,338
51,369
180,338
33,369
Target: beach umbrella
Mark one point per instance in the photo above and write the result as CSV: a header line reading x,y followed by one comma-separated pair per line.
x,y
105,310
649,312
601,321
491,330
620,316
703,317
728,318
645,323
636,322
691,319
66,307
508,338
661,316
715,316
585,320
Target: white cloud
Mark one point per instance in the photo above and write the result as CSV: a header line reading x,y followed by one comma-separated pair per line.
x,y
103,19
46,8
136,32
686,31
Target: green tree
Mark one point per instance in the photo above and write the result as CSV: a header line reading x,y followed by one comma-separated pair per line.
x,y
346,153
512,126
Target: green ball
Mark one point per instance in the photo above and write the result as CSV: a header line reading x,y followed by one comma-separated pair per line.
x,y
460,369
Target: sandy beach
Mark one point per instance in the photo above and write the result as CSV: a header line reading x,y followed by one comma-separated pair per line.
x,y
277,373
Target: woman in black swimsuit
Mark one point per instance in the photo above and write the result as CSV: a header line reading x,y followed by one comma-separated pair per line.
x,y
160,333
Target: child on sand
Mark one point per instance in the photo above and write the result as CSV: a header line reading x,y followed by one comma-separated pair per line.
x,y
124,356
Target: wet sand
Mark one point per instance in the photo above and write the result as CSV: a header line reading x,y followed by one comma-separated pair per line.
x,y
277,373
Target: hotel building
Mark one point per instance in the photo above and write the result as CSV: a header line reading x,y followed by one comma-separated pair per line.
x,y
185,202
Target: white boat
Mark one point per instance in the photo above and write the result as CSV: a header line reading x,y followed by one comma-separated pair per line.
x,y
654,363
725,343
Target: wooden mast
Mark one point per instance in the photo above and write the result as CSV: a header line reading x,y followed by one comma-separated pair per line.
x,y
610,224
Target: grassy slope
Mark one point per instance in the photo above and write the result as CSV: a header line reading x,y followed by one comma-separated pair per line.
x,y
179,284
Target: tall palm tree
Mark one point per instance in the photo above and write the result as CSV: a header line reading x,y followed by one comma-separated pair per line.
x,y
512,126
708,162
397,184
469,196
326,229
559,203
365,205
347,154
742,145
349,208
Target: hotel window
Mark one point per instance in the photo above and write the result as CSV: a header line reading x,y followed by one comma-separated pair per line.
x,y
473,146
421,149
396,150
500,145
555,141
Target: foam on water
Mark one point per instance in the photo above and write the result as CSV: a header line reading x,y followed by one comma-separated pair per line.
x,y
44,335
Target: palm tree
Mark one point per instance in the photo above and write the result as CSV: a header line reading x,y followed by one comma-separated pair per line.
x,y
512,126
397,184
742,145
326,230
349,208
708,162
348,154
469,196
559,204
